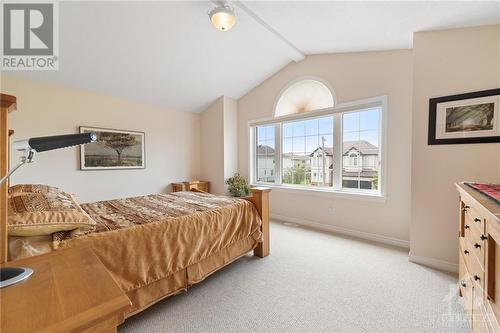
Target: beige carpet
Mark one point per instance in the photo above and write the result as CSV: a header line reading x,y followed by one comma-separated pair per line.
x,y
313,282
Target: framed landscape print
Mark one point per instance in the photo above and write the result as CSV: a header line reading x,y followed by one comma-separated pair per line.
x,y
113,149
466,118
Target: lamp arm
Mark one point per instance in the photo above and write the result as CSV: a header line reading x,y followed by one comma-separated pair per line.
x,y
26,158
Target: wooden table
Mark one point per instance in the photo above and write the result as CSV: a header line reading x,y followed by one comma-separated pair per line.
x,y
193,184
69,291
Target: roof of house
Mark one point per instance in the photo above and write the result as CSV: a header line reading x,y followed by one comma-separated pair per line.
x,y
363,146
362,174
264,149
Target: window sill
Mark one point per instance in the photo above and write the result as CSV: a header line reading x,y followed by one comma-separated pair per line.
x,y
341,194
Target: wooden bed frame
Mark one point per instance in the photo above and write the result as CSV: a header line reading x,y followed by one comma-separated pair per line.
x,y
260,195
260,199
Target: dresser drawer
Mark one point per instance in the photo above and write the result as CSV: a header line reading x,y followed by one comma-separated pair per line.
x,y
465,285
477,240
473,217
471,262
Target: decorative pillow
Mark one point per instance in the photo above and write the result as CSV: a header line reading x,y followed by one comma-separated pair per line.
x,y
38,214
33,188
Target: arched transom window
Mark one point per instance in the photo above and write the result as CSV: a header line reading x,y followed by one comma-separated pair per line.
x,y
302,96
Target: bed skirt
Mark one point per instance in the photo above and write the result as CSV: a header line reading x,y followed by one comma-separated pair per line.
x,y
145,296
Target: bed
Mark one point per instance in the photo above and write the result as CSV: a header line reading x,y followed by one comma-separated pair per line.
x,y
157,245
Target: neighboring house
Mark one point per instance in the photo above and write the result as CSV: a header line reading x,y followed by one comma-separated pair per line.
x,y
360,163
265,164
322,166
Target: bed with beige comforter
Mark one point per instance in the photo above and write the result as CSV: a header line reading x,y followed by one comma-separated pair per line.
x,y
158,245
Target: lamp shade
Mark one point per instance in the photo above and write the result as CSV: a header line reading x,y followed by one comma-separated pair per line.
x,y
222,18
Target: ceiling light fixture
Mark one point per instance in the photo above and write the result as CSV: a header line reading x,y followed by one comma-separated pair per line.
x,y
222,17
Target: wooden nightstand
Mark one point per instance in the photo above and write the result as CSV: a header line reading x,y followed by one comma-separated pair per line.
x,y
69,291
187,186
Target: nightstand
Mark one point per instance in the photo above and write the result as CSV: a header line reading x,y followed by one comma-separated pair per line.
x,y
187,186
69,291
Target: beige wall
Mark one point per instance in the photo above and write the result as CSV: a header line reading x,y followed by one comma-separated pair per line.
x,y
218,143
230,137
212,146
172,140
353,76
445,63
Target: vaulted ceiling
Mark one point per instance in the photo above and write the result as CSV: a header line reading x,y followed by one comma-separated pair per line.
x,y
168,54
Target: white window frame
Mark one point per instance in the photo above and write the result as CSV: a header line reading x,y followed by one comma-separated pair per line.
x,y
336,112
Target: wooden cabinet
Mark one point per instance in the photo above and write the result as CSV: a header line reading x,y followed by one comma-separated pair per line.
x,y
194,184
7,104
69,291
479,259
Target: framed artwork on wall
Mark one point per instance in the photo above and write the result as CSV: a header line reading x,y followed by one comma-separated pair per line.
x,y
465,118
113,149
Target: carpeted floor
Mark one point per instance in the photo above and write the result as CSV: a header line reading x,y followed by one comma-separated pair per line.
x,y
313,282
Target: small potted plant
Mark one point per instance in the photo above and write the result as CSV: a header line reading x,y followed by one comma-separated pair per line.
x,y
237,186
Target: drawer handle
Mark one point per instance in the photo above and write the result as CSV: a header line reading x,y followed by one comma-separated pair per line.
x,y
466,208
483,237
477,246
467,226
477,278
463,284
477,220
466,252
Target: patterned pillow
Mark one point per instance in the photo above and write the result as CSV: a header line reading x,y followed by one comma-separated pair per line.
x,y
37,214
33,188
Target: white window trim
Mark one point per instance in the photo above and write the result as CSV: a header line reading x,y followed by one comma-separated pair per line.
x,y
338,191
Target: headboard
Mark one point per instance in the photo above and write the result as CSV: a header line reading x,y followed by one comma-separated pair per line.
x,y
8,104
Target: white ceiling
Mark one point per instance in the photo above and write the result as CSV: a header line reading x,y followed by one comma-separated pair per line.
x,y
168,54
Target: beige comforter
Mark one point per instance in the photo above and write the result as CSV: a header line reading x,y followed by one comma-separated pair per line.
x,y
160,244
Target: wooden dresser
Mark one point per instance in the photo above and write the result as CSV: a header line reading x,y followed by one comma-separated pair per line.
x,y
70,291
479,259
194,184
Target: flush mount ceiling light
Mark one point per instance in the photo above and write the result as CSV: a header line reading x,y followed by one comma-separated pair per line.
x,y
222,17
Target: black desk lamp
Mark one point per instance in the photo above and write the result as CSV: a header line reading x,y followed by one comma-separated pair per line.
x,y
12,275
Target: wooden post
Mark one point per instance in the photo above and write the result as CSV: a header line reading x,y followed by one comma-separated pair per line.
x,y
8,104
260,198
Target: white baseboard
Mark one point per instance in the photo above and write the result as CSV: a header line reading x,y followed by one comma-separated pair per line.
x,y
434,263
343,231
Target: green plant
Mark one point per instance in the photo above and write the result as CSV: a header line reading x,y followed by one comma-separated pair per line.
x,y
375,182
237,186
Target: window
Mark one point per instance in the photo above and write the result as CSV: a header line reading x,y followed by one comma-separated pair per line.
x,y
265,154
303,96
360,140
337,149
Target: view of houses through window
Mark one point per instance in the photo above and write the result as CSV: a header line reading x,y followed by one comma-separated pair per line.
x,y
307,154
307,147
266,154
360,156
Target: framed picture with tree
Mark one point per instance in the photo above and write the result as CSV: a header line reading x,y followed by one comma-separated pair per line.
x,y
113,149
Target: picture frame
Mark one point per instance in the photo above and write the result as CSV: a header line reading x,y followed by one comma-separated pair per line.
x,y
114,149
465,118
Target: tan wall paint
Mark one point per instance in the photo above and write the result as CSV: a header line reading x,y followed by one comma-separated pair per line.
x,y
219,143
230,137
445,63
212,146
353,76
172,140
